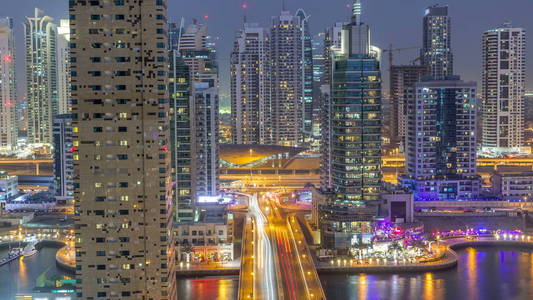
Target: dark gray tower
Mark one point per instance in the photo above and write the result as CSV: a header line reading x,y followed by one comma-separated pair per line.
x,y
437,49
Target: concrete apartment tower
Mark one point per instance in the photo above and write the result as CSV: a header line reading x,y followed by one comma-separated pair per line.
x,y
8,86
503,88
120,135
286,54
41,76
441,140
250,86
63,67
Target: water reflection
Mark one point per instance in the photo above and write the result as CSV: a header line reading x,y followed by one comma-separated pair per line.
x,y
482,274
209,288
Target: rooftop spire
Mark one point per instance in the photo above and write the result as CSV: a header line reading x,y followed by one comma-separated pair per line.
x,y
356,12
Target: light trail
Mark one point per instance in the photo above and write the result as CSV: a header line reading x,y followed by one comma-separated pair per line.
x,y
264,254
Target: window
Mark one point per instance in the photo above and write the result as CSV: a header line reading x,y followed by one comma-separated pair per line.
x,y
121,87
96,45
160,45
119,17
95,59
97,129
93,31
122,156
123,129
100,253
119,2
95,17
123,184
124,198
123,212
100,267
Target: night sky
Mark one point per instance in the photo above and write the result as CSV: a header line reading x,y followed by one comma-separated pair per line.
x,y
392,21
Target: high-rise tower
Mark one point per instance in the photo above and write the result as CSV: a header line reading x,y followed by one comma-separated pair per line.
x,y
8,86
503,88
356,117
120,137
286,56
63,67
436,52
41,76
441,140
308,102
250,86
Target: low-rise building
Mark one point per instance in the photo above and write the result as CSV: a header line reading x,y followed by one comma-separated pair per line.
x,y
513,186
208,239
397,203
8,186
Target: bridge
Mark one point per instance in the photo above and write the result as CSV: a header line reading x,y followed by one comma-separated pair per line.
x,y
276,262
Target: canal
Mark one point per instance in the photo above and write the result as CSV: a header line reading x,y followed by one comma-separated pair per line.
x,y
483,273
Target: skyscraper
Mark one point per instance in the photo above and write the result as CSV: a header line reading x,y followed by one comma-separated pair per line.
x,y
63,67
8,86
332,43
441,140
503,88
346,217
307,68
180,129
199,55
286,56
436,52
41,76
250,86
356,117
63,164
205,136
122,179
401,79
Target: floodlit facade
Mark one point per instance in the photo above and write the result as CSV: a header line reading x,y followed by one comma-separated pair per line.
x,y
8,86
41,76
250,86
441,140
436,52
503,88
63,67
286,54
122,171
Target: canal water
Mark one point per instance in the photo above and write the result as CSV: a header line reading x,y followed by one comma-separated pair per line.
x,y
483,273
19,277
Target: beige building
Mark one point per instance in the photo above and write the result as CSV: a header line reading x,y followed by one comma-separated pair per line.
x,y
209,240
121,158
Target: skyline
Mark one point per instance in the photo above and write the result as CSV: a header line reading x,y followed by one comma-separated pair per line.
x,y
226,17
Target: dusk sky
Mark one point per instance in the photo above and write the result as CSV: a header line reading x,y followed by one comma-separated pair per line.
x,y
397,22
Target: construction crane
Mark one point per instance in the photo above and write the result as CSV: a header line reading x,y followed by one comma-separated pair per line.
x,y
392,50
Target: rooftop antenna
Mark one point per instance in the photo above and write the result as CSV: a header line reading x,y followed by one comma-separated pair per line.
x,y
244,6
356,12
282,5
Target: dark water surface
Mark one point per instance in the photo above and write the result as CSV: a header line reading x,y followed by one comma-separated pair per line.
x,y
18,277
483,273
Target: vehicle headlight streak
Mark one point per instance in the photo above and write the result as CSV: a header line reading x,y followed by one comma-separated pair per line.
x,y
264,253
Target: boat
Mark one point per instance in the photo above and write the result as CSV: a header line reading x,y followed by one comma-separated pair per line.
x,y
29,250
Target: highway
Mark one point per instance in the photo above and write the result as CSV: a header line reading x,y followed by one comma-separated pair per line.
x,y
261,282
